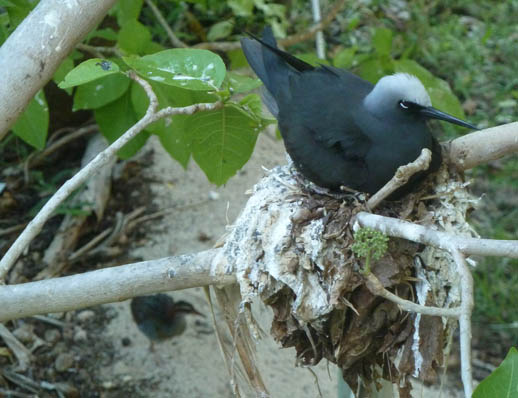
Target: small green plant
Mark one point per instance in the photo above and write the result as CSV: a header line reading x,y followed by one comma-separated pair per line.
x,y
371,244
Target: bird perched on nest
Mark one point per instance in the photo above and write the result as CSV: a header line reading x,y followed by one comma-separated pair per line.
x,y
339,129
159,317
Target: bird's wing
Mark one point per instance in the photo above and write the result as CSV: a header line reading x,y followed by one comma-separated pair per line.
x,y
325,101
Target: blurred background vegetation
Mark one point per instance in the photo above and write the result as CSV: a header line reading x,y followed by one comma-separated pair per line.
x,y
470,45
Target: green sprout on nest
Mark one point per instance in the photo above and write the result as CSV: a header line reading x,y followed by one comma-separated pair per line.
x,y
371,244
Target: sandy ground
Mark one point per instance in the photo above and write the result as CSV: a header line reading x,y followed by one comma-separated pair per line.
x,y
191,365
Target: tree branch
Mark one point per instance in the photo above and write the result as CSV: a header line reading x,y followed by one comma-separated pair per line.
x,y
175,41
483,146
466,308
403,174
417,233
98,162
375,287
114,284
32,53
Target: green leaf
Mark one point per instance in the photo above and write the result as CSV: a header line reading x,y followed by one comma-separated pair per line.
x,y
134,37
237,59
186,68
503,382
18,10
88,71
104,33
176,139
241,8
100,92
66,66
171,130
242,84
220,30
382,41
33,124
271,9
345,58
128,10
439,90
115,119
4,26
223,141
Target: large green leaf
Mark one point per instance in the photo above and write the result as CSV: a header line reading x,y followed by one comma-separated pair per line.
x,y
134,37
88,71
128,10
192,69
116,118
176,140
100,92
241,8
503,382
223,141
220,30
241,83
33,124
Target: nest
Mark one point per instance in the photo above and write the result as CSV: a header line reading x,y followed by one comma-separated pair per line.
x,y
292,248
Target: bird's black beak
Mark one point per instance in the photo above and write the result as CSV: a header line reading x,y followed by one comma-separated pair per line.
x,y
433,113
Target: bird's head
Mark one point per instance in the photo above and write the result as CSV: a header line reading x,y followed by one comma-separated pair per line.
x,y
402,95
183,308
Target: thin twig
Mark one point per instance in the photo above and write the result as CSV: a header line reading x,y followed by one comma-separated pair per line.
x,y
98,51
98,162
466,307
20,351
51,321
14,228
376,288
403,174
38,157
428,236
175,41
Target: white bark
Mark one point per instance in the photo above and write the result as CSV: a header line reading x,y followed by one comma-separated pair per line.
x,y
32,53
114,284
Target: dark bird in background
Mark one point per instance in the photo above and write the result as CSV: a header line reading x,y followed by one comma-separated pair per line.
x,y
339,129
159,317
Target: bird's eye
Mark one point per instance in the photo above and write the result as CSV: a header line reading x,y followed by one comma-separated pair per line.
x,y
404,105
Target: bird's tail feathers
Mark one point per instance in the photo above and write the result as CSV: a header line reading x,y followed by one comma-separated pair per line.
x,y
271,65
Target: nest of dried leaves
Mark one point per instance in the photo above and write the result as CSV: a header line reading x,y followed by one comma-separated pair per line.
x,y
292,248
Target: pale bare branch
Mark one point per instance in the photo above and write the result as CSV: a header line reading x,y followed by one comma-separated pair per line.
x,y
401,177
32,53
114,284
483,146
418,233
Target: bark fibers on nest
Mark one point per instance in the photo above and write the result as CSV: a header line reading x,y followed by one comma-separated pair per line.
x,y
291,247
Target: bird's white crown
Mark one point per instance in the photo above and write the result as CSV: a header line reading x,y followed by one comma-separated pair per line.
x,y
391,89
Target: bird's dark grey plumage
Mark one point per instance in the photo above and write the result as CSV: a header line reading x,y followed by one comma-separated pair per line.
x,y
159,317
339,129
